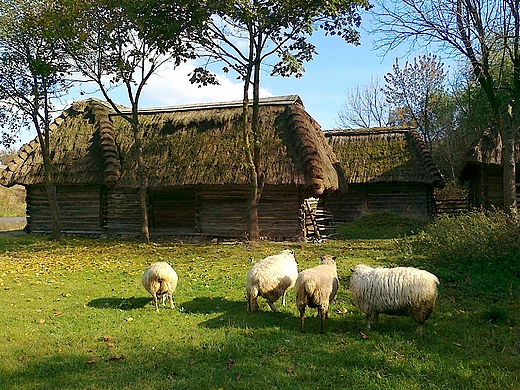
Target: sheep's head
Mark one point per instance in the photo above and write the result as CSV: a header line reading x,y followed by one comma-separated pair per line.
x,y
328,259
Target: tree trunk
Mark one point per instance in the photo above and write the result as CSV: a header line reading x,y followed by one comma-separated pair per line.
x,y
55,212
142,173
50,188
509,171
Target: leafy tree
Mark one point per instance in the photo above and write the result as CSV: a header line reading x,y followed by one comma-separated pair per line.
x,y
124,43
487,34
365,107
415,94
245,33
33,76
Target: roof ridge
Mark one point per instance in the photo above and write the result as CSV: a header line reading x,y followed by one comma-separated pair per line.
x,y
273,100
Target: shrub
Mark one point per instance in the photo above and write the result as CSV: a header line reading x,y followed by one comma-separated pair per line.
x,y
480,248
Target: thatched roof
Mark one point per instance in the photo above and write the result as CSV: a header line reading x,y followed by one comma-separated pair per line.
x,y
384,155
488,149
182,146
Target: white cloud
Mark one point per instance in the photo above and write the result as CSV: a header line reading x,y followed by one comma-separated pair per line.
x,y
171,86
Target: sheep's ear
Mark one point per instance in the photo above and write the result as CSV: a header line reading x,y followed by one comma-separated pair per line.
x,y
334,258
352,270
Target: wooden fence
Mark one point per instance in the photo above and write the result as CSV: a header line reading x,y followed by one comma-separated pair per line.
x,y
452,206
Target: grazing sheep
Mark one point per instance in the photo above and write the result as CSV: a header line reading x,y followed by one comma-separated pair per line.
x,y
317,287
271,278
395,291
160,280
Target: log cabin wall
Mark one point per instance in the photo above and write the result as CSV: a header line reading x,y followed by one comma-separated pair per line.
x,y
410,199
80,209
221,211
122,212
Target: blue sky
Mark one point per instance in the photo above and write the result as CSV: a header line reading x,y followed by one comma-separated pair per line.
x,y
337,69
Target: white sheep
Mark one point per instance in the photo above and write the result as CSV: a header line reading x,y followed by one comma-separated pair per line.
x,y
160,280
317,287
394,291
270,278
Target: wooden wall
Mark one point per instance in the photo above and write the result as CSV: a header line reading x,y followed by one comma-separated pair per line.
x,y
80,209
487,187
209,211
405,198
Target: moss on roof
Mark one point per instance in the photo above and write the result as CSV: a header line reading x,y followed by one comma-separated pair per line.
x,y
384,155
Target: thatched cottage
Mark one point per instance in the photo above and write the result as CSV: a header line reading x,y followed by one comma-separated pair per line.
x,y
482,170
198,184
385,169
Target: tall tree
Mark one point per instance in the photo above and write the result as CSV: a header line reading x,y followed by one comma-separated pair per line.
x,y
124,43
487,34
415,95
245,33
365,106
33,75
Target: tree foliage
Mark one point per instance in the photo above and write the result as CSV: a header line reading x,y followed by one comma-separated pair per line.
x,y
416,96
33,77
487,34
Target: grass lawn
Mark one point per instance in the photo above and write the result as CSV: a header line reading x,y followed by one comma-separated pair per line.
x,y
75,316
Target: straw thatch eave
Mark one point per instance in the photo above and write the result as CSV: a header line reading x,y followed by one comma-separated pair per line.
x,y
384,155
79,155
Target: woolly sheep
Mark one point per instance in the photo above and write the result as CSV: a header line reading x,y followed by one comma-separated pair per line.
x,y
270,278
394,291
160,280
317,287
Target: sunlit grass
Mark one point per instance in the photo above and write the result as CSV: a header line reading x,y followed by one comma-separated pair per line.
x,y
75,316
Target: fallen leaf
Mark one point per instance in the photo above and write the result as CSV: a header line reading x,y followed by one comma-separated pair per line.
x,y
42,320
290,370
239,376
113,357
110,345
91,361
364,336
22,357
58,313
106,338
230,362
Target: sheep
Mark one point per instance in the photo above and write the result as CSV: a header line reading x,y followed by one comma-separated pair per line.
x,y
394,291
160,280
270,278
317,287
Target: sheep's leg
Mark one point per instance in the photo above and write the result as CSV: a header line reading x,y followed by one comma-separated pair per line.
x,y
273,307
283,298
164,299
368,320
302,320
170,298
155,302
323,314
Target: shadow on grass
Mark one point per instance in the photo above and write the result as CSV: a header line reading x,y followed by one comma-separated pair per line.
x,y
119,303
234,314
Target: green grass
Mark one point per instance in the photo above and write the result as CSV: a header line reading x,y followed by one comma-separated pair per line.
x,y
383,224
75,316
